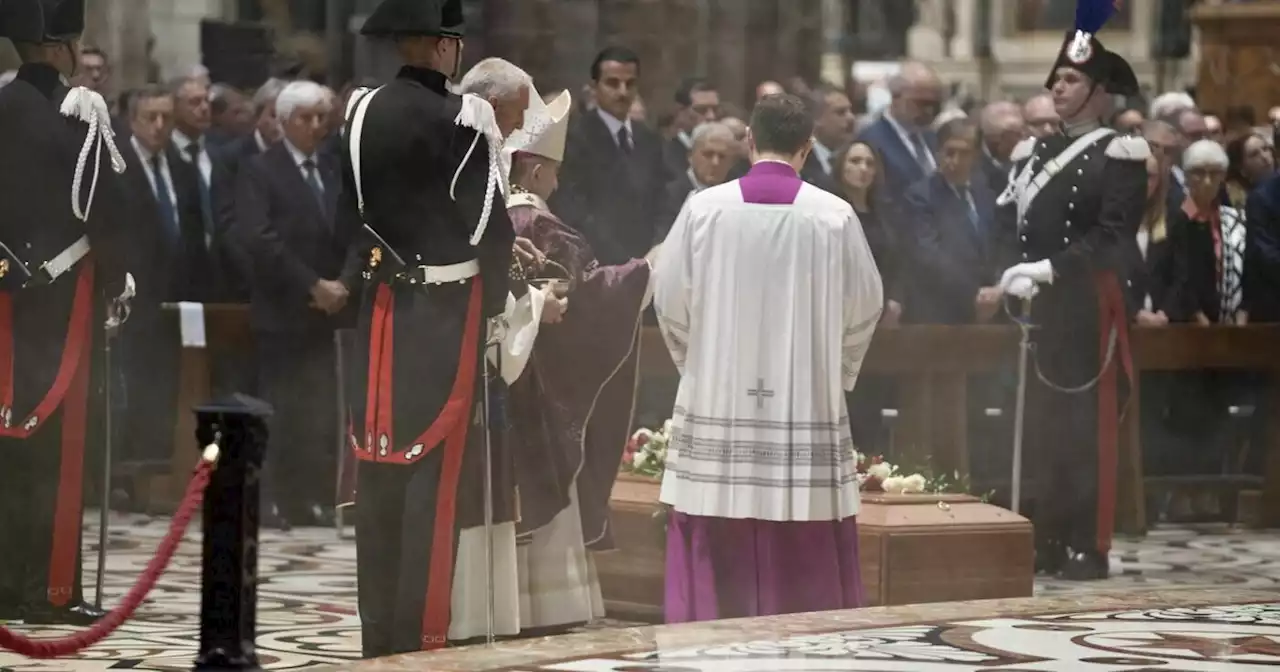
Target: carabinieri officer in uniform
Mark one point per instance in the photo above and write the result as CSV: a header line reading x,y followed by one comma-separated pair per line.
x,y
62,255
1074,198
421,170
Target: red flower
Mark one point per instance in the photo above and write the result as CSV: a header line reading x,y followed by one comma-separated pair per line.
x,y
629,457
641,440
872,484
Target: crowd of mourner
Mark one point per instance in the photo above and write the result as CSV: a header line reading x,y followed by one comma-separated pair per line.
x,y
244,187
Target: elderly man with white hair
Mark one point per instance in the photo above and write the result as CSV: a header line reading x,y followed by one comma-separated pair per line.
x,y
1002,128
284,219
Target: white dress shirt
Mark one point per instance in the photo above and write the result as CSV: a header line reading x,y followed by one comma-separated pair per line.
x,y
182,142
299,159
147,169
613,124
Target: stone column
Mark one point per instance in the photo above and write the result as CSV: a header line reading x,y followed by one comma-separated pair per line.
x,y
121,29
833,25
926,40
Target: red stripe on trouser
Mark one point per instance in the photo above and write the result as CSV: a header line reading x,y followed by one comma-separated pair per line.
x,y
435,611
382,306
78,333
67,516
1111,315
6,352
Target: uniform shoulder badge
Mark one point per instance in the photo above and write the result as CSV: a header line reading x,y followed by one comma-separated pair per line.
x,y
1128,148
1023,150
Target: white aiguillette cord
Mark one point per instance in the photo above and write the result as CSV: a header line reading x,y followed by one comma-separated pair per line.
x,y
89,107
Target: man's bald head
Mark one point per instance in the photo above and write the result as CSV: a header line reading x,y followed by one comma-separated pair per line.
x,y
1041,117
917,94
768,88
1002,128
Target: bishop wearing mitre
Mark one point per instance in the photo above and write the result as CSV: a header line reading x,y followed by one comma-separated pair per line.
x,y
570,410
767,296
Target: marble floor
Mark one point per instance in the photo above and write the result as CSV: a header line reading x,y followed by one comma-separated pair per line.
x,y
307,618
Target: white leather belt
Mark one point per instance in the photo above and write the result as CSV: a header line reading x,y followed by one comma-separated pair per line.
x,y
439,275
66,259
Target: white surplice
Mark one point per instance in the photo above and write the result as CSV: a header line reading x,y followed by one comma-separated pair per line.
x,y
768,311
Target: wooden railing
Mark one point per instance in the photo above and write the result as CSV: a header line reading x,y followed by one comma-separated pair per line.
x,y
932,364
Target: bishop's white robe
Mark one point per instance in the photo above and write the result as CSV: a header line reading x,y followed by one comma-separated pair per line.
x,y
767,295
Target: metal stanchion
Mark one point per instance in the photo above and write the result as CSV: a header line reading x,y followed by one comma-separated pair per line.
x,y
229,561
340,374
117,315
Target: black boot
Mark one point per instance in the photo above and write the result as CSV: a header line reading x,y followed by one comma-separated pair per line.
x,y
82,613
1086,566
1050,557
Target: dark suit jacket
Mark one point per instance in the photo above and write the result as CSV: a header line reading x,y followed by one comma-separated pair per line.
x,y
231,259
947,259
1195,270
674,195
170,269
1262,260
813,173
290,237
615,200
901,170
996,174
675,157
1150,275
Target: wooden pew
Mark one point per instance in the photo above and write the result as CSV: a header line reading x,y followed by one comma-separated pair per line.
x,y
933,363
226,334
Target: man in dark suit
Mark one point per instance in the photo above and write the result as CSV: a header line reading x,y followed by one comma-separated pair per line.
x,y
833,128
165,194
613,177
192,120
949,224
712,154
285,204
902,134
1002,129
698,103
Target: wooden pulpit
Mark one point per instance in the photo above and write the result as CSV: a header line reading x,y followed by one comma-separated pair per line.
x,y
209,332
1239,61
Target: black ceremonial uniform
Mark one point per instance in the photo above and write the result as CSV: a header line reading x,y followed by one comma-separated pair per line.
x,y
427,184
55,268
1091,203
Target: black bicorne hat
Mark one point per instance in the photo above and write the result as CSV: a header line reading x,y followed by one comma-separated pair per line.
x,y
1106,68
63,19
22,20
432,18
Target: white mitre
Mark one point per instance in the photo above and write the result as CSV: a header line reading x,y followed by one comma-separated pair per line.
x,y
543,134
545,128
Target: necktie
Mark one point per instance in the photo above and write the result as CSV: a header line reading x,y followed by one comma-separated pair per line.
x,y
922,152
624,140
313,181
164,200
206,206
967,197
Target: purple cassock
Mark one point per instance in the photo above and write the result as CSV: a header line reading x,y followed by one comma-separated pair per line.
x,y
731,568
570,410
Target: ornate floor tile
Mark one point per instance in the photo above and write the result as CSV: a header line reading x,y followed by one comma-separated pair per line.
x,y
307,618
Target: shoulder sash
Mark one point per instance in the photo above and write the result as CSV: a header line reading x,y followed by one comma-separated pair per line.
x,y
1025,187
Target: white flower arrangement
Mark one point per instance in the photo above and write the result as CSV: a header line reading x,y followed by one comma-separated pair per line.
x,y
876,475
646,452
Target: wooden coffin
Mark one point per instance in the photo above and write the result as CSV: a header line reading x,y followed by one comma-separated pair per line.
x,y
912,549
942,548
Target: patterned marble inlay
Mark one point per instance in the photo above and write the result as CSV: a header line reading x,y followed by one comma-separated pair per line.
x,y
307,615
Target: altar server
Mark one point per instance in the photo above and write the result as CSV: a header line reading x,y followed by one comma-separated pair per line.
x,y
767,296
1075,199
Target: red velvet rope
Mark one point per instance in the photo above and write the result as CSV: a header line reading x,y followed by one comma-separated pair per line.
x,y
56,648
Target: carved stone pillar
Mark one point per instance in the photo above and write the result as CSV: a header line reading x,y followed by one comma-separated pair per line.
x,y
121,29
926,41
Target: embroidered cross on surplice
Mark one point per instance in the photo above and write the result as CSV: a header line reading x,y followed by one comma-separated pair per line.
x,y
760,393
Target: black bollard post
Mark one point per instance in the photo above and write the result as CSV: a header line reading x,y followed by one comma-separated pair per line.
x,y
229,562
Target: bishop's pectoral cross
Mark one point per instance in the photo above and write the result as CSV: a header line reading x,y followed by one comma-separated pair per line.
x,y
760,393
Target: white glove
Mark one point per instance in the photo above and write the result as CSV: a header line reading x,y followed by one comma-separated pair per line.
x,y
1040,272
1021,287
